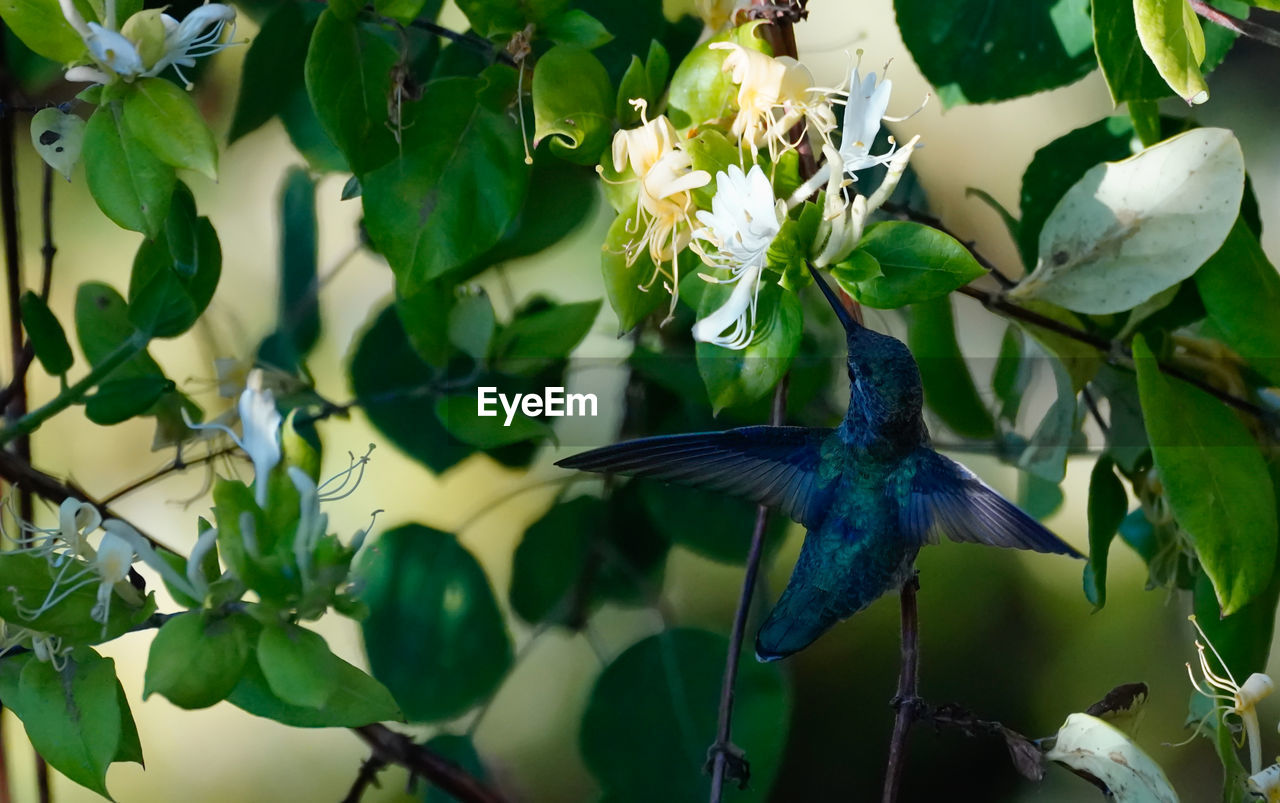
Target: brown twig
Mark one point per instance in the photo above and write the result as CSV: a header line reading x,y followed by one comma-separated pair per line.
x,y
390,747
366,777
178,464
724,759
907,701
1252,30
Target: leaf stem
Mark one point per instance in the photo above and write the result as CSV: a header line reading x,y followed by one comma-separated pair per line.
x,y
1252,30
28,423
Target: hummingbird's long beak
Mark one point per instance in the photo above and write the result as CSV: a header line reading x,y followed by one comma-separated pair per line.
x,y
846,319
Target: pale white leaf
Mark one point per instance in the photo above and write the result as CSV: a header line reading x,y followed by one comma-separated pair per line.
x,y
1088,744
1128,230
57,137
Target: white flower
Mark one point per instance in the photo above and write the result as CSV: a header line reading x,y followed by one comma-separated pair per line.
x,y
1231,698
260,431
863,111
742,224
774,94
148,43
312,524
1266,784
112,563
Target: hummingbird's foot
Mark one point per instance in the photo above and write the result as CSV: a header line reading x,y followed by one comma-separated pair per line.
x,y
736,766
913,703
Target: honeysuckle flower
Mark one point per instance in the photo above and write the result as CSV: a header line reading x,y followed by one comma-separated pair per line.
x,y
1230,698
260,431
774,94
864,108
312,524
148,43
665,178
1266,784
742,224
112,563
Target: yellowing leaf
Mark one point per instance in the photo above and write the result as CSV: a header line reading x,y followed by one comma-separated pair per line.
x,y
1173,39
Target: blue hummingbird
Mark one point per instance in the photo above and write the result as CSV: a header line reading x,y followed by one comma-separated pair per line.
x,y
870,492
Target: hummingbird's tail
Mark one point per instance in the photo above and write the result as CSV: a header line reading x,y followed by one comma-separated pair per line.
x,y
801,615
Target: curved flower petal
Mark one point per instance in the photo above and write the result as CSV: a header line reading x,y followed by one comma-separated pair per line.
x,y
111,49
863,111
737,315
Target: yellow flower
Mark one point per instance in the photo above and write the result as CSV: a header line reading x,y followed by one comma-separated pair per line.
x,y
774,94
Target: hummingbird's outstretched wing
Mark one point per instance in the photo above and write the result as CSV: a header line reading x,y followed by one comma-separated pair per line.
x,y
948,498
775,466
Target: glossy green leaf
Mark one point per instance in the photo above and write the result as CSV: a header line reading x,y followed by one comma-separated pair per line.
x,y
424,317
461,417
736,377
576,28
471,325
197,658
1011,375
434,634
298,307
388,374
452,195
1108,505
279,50
492,18
1215,481
118,400
175,275
1172,37
917,264
1046,453
948,386
58,137
348,78
102,325
1128,230
297,665
48,339
72,715
1240,290
977,51
357,699
406,11
655,706
459,749
1059,165
132,185
573,104
161,115
42,27
624,284
28,581
700,88
532,342
635,27
308,135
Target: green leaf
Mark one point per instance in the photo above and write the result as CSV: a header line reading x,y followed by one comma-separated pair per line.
x,y
279,51
701,91
131,185
434,634
461,417
709,523
130,749
425,317
576,28
1059,165
917,264
461,751
471,325
454,192
655,706
72,715
162,116
1108,505
532,342
48,340
357,700
977,51
573,104
42,27
948,386
736,377
1241,293
298,308
348,78
1215,481
496,18
28,581
1046,453
1130,229
388,374
1172,37
624,284
406,11
197,658
297,665
118,400
1011,375
58,137
308,135
102,325
175,275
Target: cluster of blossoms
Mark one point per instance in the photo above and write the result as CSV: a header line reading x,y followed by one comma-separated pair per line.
x,y
778,109
85,550
148,43
1240,701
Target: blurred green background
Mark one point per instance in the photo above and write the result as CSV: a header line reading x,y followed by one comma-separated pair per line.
x,y
1009,636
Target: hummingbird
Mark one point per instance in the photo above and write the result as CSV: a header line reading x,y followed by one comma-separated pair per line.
x,y
869,492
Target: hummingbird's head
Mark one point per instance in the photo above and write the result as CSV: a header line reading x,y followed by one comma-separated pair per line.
x,y
884,378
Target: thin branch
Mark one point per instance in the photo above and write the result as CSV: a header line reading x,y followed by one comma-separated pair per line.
x,y
42,779
366,777
907,701
390,747
726,760
178,464
1252,30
